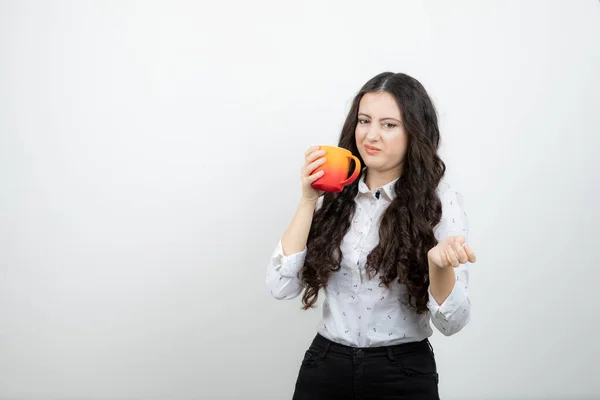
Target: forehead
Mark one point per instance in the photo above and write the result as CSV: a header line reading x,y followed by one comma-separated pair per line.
x,y
379,105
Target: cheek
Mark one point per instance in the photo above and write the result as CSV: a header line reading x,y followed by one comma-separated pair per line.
x,y
397,144
359,133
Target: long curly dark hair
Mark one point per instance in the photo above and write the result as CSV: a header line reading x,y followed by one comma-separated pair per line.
x,y
406,230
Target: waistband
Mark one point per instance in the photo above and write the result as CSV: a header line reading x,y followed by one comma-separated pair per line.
x,y
324,345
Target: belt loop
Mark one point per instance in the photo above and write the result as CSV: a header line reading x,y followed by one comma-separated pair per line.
x,y
327,347
391,356
430,348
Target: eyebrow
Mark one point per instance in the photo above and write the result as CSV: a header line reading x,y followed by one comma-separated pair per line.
x,y
382,119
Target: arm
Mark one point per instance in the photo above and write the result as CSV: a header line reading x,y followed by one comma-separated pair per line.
x,y
449,303
283,272
295,237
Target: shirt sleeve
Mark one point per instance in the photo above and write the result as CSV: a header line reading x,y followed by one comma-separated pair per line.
x,y
284,272
455,312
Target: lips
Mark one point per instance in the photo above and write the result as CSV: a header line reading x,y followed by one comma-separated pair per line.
x,y
371,149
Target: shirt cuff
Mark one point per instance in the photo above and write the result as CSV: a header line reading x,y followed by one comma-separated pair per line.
x,y
288,265
453,302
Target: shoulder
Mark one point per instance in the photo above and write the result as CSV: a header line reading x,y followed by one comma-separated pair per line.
x,y
449,195
454,217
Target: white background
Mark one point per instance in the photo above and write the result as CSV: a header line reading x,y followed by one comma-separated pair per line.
x,y
149,162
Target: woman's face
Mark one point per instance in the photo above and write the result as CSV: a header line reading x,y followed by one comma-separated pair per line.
x,y
380,135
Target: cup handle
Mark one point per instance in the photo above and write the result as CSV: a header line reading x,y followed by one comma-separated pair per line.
x,y
355,173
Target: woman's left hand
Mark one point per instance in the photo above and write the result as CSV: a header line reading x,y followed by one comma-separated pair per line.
x,y
451,252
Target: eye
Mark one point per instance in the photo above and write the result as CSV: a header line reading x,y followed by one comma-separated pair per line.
x,y
363,121
389,125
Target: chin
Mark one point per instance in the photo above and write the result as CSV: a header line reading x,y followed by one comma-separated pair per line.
x,y
373,163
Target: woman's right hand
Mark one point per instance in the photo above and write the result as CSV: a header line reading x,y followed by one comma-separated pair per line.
x,y
313,158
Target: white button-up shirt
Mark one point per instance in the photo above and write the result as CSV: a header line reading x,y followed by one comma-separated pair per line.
x,y
357,311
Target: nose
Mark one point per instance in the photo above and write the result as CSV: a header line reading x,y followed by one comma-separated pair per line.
x,y
373,134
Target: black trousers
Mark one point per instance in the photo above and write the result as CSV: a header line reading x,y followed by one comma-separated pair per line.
x,y
331,371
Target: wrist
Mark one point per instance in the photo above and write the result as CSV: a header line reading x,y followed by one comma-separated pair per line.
x,y
433,267
308,202
430,263
437,275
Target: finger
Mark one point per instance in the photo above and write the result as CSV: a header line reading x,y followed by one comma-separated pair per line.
x,y
310,150
470,254
459,239
446,253
314,155
314,165
460,252
452,257
315,176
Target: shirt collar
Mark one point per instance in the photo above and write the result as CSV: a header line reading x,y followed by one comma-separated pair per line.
x,y
388,188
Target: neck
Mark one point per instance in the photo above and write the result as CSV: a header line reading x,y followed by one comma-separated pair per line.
x,y
376,179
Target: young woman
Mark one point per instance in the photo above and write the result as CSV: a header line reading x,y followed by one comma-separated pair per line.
x,y
389,253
